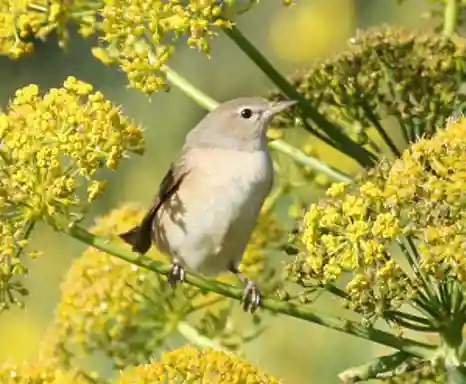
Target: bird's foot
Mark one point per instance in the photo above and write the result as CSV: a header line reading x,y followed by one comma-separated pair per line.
x,y
176,274
251,296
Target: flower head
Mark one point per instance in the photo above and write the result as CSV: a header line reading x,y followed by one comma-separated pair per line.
x,y
38,373
189,364
23,20
140,35
52,149
416,203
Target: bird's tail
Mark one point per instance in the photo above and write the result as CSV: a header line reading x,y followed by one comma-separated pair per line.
x,y
139,237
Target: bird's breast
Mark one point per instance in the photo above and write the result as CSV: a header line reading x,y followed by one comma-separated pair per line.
x,y
209,220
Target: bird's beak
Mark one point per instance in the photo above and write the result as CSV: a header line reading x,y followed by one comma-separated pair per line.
x,y
279,106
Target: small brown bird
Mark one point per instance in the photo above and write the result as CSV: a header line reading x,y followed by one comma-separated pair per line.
x,y
209,200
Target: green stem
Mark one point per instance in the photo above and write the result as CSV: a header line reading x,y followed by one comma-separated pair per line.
x,y
194,337
314,163
189,90
413,347
452,345
415,327
376,123
404,129
37,7
327,140
450,17
208,103
206,304
349,147
408,316
409,249
273,198
374,368
28,228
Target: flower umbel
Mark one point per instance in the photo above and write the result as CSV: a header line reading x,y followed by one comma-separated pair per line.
x,y
52,147
40,372
397,236
141,35
190,365
23,20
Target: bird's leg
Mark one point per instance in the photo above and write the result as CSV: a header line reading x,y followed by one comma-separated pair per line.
x,y
251,295
176,274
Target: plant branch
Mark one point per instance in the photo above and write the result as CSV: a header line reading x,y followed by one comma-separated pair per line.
x,y
376,122
408,316
208,103
348,146
301,158
413,347
189,90
374,368
194,337
409,249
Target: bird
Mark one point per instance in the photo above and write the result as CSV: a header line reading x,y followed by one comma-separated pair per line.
x,y
209,200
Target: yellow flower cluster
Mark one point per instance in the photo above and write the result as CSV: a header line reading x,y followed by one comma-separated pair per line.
x,y
140,35
23,20
348,234
38,373
51,149
354,230
190,365
428,186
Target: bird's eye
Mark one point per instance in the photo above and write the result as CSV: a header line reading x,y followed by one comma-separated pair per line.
x,y
246,113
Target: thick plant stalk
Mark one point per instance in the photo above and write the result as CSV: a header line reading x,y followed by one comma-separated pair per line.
x,y
374,368
195,338
346,145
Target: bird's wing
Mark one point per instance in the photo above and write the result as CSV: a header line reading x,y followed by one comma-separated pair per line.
x,y
140,236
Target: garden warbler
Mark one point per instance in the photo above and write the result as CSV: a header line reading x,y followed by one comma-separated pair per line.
x,y
209,200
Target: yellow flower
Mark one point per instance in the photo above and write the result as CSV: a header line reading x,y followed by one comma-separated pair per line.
x,y
351,235
22,19
51,149
386,225
41,372
191,365
336,189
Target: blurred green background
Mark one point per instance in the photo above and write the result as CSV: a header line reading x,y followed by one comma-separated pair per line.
x,y
292,38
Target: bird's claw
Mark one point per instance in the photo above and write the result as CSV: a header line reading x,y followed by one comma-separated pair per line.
x,y
251,296
176,274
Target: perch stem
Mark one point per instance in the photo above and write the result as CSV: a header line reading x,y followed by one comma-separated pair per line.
x,y
410,346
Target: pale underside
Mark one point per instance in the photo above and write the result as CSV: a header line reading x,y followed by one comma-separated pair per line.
x,y
206,224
